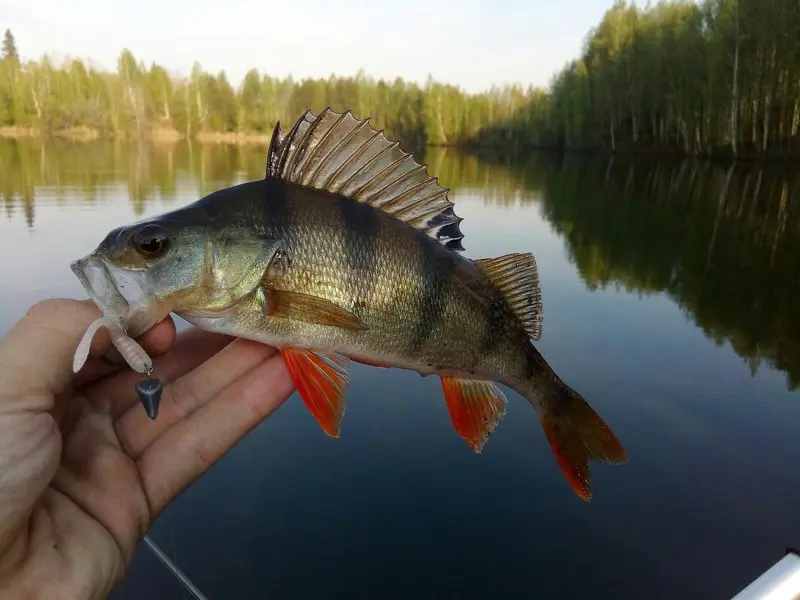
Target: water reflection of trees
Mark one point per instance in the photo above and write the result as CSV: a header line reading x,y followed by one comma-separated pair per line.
x,y
89,172
496,183
724,244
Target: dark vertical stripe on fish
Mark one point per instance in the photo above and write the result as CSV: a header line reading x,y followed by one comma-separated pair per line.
x,y
361,230
434,283
495,327
277,211
533,360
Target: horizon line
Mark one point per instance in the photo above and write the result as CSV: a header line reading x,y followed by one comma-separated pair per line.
x,y
62,59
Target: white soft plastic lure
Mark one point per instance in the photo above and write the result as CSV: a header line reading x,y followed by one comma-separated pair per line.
x,y
131,351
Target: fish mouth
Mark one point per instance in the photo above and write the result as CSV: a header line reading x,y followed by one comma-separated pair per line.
x,y
116,295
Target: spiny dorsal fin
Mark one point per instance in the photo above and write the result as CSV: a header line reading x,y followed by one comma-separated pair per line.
x,y
341,154
517,278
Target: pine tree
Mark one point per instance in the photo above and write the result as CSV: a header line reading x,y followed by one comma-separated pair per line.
x,y
9,52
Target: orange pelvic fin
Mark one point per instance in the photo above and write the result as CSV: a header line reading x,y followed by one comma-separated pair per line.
x,y
321,381
475,407
577,434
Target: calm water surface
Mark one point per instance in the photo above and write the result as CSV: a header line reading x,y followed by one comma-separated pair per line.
x,y
671,295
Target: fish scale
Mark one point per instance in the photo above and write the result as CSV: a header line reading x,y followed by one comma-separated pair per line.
x,y
349,250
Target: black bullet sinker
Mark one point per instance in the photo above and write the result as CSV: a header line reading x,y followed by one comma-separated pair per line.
x,y
149,391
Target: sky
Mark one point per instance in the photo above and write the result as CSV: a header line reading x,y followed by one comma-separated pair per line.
x,y
471,43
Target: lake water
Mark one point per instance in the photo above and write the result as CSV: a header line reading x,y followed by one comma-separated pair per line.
x,y
671,295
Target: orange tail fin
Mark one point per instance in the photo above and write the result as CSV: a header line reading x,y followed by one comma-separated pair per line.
x,y
577,435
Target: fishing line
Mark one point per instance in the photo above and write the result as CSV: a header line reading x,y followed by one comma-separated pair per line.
x,y
173,568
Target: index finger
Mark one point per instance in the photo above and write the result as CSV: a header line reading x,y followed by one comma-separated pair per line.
x,y
192,445
156,341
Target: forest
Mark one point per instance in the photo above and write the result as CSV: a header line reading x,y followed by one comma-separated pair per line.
x,y
713,77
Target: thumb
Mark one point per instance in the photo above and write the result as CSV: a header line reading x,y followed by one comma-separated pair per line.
x,y
36,366
37,352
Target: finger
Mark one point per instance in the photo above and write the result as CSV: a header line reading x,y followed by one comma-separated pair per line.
x,y
195,350
156,341
37,352
116,393
185,395
192,446
155,344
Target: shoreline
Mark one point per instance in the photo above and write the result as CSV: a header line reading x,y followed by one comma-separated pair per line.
x,y
161,135
155,135
723,155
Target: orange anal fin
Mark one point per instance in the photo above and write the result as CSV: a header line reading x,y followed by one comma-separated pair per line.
x,y
577,435
475,407
321,381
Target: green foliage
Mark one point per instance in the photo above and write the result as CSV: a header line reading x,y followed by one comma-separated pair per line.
x,y
137,99
9,51
682,77
679,77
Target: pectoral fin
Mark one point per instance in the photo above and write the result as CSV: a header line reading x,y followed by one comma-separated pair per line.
x,y
475,407
321,381
309,309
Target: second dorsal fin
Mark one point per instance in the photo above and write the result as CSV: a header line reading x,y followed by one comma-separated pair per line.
x,y
341,154
517,278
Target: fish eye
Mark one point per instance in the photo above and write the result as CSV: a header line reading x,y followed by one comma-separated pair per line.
x,y
151,240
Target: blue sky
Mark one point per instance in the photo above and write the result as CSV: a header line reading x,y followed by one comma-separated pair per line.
x,y
472,43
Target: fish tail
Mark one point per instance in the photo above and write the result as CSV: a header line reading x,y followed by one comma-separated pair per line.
x,y
577,434
575,431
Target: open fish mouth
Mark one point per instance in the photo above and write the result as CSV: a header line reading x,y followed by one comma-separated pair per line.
x,y
101,287
119,297
105,290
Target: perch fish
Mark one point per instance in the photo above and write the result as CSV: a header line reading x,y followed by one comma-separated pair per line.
x,y
348,250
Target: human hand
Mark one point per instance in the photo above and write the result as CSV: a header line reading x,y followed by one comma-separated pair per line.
x,y
83,469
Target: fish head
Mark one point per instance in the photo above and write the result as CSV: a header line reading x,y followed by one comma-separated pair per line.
x,y
138,271
186,262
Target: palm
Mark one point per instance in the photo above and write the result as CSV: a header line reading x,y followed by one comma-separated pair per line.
x,y
98,479
98,490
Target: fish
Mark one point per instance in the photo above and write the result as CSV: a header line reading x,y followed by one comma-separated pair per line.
x,y
348,250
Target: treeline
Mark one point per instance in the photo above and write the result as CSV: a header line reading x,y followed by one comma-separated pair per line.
x,y
716,76
147,100
708,77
